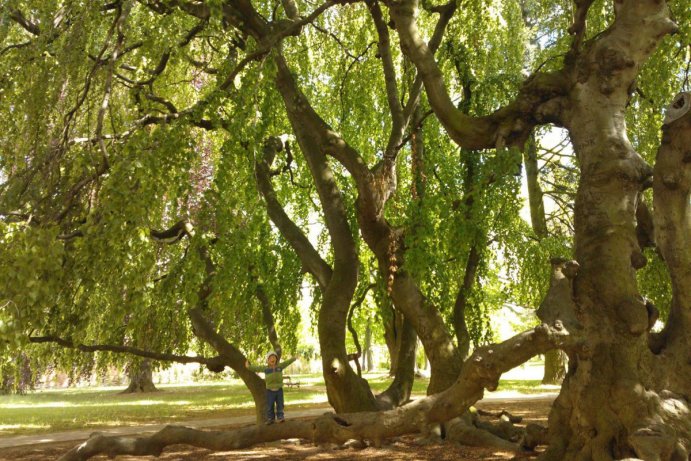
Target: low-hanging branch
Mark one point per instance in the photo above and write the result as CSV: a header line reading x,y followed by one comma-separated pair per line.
x,y
50,339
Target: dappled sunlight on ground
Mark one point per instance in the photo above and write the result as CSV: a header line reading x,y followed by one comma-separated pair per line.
x,y
403,448
6,429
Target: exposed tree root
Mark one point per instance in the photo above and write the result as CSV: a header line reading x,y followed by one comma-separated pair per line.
x,y
482,370
500,414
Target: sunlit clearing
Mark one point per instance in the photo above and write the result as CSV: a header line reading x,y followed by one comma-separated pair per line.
x,y
18,406
11,406
9,427
313,398
243,454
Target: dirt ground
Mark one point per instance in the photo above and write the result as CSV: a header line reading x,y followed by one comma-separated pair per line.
x,y
402,448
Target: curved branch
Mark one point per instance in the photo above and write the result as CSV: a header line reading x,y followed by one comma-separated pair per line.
x,y
349,322
173,234
384,47
29,26
537,101
210,361
308,255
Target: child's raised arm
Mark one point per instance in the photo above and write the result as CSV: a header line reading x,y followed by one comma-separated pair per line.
x,y
254,368
287,362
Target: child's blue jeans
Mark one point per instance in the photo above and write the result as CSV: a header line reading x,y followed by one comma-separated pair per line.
x,y
274,397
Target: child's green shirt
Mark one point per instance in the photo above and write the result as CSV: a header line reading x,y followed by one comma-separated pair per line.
x,y
272,376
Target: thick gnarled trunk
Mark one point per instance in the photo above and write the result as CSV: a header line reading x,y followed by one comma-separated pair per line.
x,y
612,405
672,217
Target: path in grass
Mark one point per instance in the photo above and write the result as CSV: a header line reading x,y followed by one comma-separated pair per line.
x,y
104,408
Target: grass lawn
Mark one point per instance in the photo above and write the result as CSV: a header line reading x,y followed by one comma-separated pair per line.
x,y
89,408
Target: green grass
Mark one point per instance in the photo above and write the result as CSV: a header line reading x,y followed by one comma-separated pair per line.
x,y
525,386
88,408
102,407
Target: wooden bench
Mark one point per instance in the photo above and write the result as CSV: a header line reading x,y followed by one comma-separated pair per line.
x,y
290,382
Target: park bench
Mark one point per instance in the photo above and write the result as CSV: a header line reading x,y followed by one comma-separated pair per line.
x,y
290,382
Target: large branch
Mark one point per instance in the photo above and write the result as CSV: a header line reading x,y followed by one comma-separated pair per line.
x,y
31,27
384,46
307,121
212,362
537,102
314,135
483,371
174,233
309,256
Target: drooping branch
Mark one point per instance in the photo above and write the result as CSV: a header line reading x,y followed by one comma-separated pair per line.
x,y
211,362
108,84
205,330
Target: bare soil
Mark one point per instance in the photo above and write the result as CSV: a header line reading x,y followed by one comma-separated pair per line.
x,y
402,448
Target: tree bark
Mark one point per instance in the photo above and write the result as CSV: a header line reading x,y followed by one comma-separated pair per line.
x,y
611,405
398,392
555,361
141,377
672,218
555,367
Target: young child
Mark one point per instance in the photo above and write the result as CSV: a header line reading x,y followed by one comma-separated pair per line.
x,y
273,375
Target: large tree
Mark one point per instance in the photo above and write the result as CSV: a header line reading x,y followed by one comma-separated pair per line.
x,y
116,113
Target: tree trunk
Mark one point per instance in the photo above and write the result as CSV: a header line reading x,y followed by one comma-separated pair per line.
x,y
141,377
555,361
672,217
399,391
613,404
537,206
345,389
445,360
555,367
367,353
393,324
